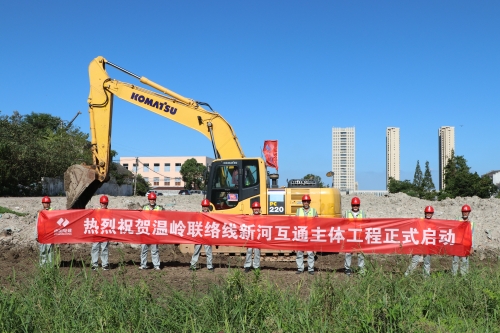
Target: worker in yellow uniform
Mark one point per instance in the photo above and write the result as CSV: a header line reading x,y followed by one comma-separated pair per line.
x,y
155,252
415,259
102,246
463,262
308,211
205,208
354,213
46,250
256,252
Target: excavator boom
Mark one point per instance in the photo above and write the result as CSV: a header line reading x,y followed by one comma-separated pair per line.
x,y
81,181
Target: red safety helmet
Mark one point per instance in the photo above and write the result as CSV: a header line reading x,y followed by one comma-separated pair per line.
x,y
306,198
466,208
429,209
355,201
205,203
255,204
151,196
46,199
104,199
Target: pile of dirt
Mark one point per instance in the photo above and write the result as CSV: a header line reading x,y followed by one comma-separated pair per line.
x,y
18,231
19,251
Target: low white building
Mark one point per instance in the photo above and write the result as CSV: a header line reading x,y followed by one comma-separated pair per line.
x,y
162,172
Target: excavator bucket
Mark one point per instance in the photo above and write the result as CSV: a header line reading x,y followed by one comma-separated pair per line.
x,y
80,184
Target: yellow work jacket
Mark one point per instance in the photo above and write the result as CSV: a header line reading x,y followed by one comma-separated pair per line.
x,y
148,207
311,212
361,214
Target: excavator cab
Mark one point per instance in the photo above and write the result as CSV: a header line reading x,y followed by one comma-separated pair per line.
x,y
232,182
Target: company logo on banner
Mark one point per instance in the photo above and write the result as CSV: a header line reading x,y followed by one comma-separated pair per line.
x,y
62,231
271,153
371,235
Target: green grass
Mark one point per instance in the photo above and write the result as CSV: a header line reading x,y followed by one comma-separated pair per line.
x,y
80,301
6,210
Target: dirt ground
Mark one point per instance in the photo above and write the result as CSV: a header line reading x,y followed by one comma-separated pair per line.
x,y
16,231
19,250
22,263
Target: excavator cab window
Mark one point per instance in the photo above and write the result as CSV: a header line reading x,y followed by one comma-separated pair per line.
x,y
250,181
251,174
232,182
225,186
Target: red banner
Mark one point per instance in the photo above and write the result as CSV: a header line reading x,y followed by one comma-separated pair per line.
x,y
271,153
381,235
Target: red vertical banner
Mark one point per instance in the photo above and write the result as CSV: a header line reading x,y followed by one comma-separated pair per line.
x,y
271,153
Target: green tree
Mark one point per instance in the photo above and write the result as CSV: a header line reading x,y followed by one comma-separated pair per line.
x,y
484,186
142,186
417,176
417,181
429,190
43,122
119,173
35,146
315,178
192,174
460,182
405,186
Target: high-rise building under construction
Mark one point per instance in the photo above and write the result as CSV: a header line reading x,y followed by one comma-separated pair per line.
x,y
392,153
446,137
344,158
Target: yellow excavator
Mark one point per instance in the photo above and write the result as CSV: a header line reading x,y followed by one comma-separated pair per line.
x,y
234,181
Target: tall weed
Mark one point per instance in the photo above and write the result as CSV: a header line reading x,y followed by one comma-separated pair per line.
x,y
377,302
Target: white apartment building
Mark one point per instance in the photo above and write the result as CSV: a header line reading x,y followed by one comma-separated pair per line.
x,y
344,158
392,145
162,172
446,135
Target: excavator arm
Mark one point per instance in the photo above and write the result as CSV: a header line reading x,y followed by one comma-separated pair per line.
x,y
81,181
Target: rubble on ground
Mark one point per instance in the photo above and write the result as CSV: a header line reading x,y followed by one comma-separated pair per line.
x,y
19,231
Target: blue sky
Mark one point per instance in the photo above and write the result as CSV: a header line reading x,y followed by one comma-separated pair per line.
x,y
283,70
